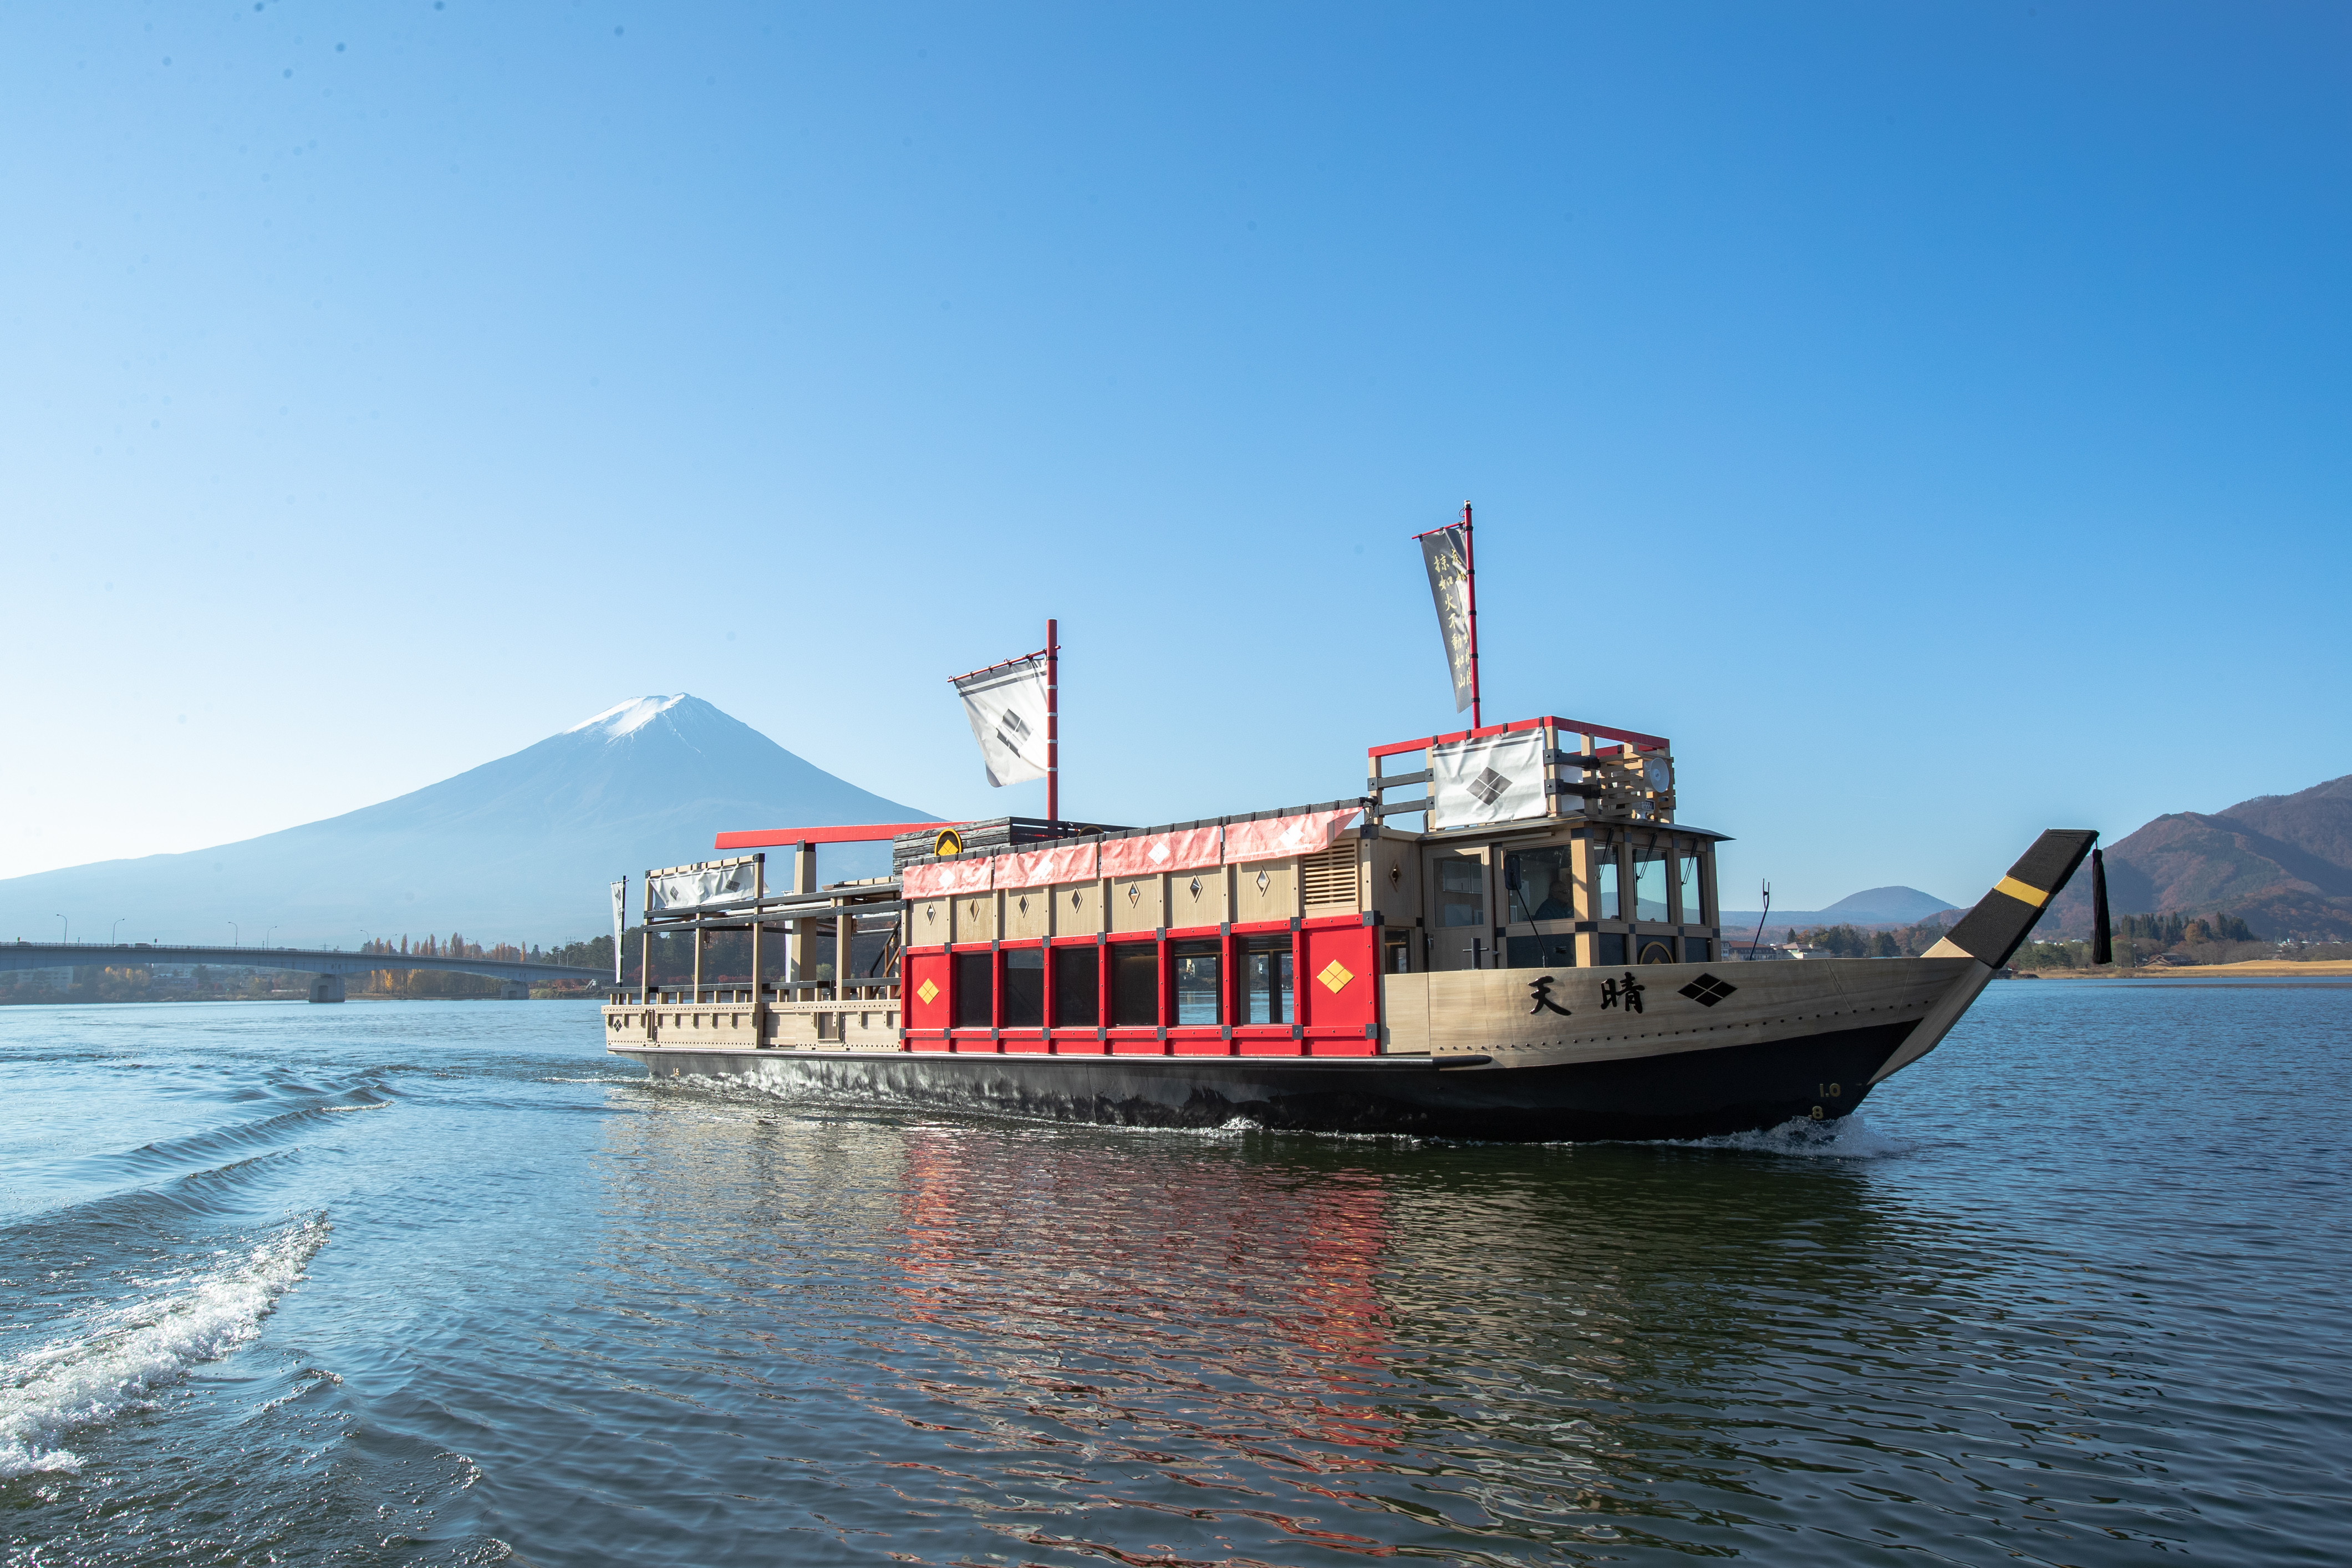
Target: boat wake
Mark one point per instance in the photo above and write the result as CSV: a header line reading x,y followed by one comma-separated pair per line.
x,y
116,1356
1847,1138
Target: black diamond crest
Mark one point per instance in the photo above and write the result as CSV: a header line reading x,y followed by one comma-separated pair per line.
x,y
1707,990
1488,786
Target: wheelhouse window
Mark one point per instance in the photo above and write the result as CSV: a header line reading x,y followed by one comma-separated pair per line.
x,y
1605,868
975,990
1460,890
1195,964
1265,980
1134,986
1692,903
1650,885
1550,949
1538,885
1078,990
1024,988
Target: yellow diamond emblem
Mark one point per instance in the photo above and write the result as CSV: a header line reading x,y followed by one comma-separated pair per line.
x,y
1336,974
926,990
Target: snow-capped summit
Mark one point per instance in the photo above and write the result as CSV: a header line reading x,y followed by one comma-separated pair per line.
x,y
518,849
626,717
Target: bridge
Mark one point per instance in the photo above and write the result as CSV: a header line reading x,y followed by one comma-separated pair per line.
x,y
329,966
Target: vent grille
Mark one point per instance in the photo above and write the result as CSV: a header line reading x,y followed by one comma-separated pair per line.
x,y
1329,877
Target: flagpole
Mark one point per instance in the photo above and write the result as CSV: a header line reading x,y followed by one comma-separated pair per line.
x,y
1054,725
1469,570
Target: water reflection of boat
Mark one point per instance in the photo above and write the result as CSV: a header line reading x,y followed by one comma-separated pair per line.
x,y
1542,958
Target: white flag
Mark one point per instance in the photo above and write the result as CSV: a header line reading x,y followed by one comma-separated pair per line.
x,y
1007,710
1498,779
620,923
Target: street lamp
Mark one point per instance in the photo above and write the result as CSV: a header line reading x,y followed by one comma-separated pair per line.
x,y
112,929
265,935
234,939
69,932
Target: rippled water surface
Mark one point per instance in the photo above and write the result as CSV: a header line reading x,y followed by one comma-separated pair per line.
x,y
442,1283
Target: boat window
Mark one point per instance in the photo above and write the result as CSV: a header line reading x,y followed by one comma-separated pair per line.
x,y
1024,988
1539,885
1460,890
1604,867
1195,964
1608,950
1399,957
1550,951
1078,991
1649,884
1265,980
975,990
1698,950
1693,906
1135,984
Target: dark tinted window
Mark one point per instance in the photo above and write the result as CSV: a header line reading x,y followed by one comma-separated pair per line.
x,y
1539,952
1135,984
1266,981
1076,993
1610,950
1024,988
974,989
1195,963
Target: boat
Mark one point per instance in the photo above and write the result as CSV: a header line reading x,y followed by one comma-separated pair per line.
x,y
1509,935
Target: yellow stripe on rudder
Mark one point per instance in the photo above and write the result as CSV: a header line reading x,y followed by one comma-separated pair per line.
x,y
2021,892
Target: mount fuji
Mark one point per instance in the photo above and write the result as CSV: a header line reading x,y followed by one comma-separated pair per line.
x,y
518,849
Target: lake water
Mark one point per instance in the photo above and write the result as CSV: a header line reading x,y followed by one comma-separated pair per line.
x,y
443,1283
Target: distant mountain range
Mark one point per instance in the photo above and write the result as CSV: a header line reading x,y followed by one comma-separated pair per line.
x,y
520,850
1871,907
2283,863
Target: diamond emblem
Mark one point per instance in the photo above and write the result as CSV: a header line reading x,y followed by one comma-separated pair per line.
x,y
1159,854
1488,787
1134,893
928,991
1196,887
1261,880
1707,990
1336,975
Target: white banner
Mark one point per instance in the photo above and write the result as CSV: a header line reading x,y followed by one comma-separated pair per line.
x,y
700,886
1447,553
1007,710
1499,779
620,922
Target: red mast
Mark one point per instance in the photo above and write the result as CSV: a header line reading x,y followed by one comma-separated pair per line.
x,y
1469,570
1053,717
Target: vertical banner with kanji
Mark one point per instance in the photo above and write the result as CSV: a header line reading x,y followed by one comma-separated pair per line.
x,y
1446,552
620,923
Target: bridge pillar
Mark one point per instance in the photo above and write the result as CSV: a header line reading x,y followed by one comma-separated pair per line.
x,y
326,988
514,991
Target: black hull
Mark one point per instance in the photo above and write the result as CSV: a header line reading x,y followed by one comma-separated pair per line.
x,y
1686,1094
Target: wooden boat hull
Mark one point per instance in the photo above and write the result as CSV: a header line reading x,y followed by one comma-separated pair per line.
x,y
1704,1050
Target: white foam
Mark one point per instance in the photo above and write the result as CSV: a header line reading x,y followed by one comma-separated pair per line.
x,y
1847,1138
118,1354
627,718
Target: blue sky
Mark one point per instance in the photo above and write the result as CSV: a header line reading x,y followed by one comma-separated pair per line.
x,y
1931,416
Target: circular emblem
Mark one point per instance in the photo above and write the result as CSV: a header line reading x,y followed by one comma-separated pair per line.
x,y
949,842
